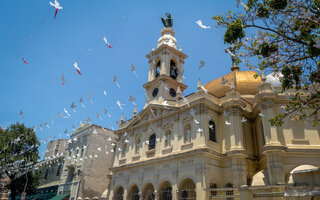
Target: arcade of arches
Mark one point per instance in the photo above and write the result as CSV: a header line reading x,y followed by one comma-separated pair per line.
x,y
186,191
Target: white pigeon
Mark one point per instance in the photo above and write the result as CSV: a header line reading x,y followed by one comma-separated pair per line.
x,y
113,144
244,5
75,64
119,149
204,89
165,103
126,141
170,43
199,22
243,120
56,4
197,122
99,148
317,44
105,92
261,115
84,146
147,142
106,41
120,105
232,54
199,130
67,112
109,139
107,152
112,150
125,134
185,100
227,123
95,132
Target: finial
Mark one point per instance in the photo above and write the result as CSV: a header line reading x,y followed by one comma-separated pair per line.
x,y
178,90
135,111
235,68
263,77
122,118
199,84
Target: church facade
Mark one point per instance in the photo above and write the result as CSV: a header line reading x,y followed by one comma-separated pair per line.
x,y
215,143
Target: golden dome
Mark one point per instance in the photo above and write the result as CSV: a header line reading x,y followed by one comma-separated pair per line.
x,y
245,83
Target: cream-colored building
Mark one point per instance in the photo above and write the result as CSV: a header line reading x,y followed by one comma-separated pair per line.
x,y
86,167
215,143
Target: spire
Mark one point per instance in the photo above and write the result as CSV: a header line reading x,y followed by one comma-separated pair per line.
x,y
122,118
178,90
135,111
199,84
263,77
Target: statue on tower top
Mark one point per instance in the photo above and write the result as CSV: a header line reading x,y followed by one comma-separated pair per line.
x,y
167,22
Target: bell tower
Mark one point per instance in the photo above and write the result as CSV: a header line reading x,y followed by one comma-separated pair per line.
x,y
165,80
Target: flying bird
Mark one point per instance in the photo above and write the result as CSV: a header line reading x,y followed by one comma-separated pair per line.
x,y
197,122
227,123
67,112
56,4
115,81
185,100
21,113
109,139
98,116
202,63
89,96
75,64
170,43
244,5
105,40
105,92
81,102
73,107
224,81
199,22
199,130
243,120
165,103
120,104
204,89
63,79
95,132
89,120
99,148
133,69
24,61
106,112
126,141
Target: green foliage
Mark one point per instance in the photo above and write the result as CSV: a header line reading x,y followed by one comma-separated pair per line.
x,y
234,32
266,50
287,41
278,4
18,153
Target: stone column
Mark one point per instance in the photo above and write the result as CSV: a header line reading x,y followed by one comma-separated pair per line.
x,y
235,129
152,71
175,191
245,193
140,196
270,132
239,170
275,167
156,195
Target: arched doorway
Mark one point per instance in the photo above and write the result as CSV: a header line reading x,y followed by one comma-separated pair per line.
x,y
187,190
118,193
148,192
165,191
133,193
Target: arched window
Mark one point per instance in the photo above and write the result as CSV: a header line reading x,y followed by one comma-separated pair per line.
x,y
173,70
152,141
213,186
212,131
124,148
167,141
137,145
187,133
158,69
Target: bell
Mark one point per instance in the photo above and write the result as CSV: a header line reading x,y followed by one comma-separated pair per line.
x,y
173,73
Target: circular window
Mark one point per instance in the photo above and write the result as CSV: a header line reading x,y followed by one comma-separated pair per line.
x,y
155,92
172,92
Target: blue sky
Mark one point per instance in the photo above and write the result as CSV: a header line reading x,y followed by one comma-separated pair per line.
x,y
51,46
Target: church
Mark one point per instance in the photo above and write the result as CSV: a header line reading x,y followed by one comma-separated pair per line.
x,y
215,143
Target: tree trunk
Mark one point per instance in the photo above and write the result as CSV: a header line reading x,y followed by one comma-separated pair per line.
x,y
13,190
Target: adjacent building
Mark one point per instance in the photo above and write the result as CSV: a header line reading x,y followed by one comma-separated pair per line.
x,y
215,143
85,173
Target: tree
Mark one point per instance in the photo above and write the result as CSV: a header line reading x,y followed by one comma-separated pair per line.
x,y
288,41
18,153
